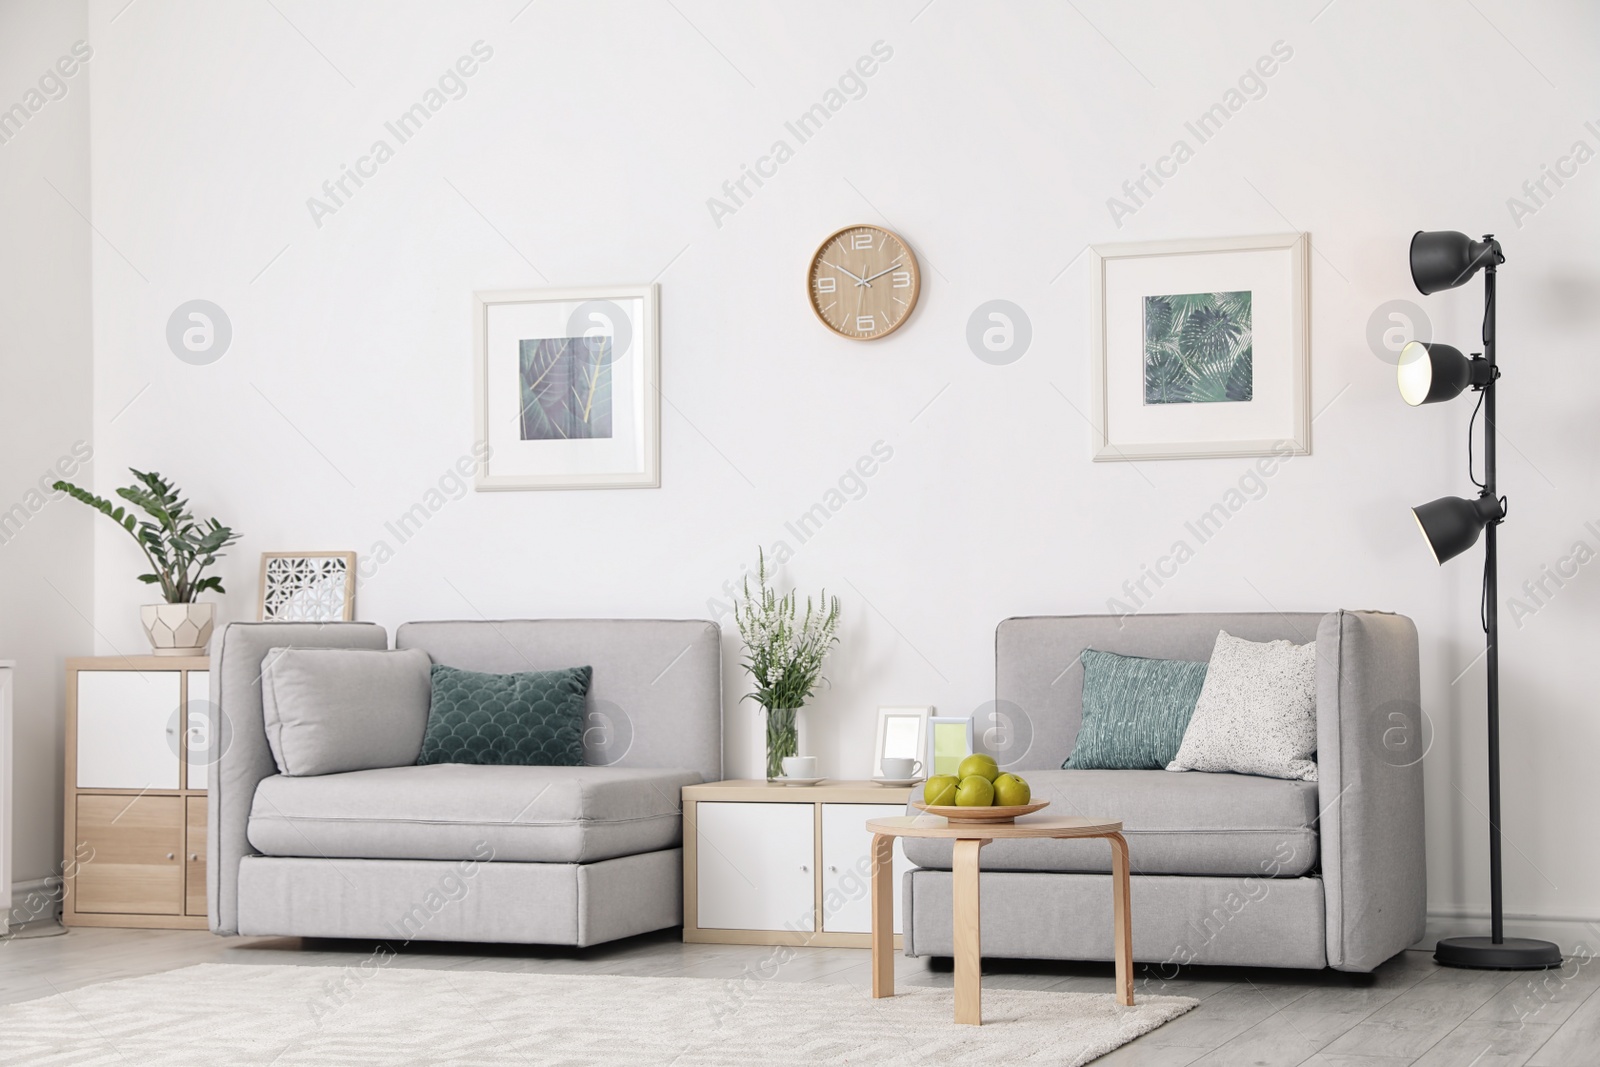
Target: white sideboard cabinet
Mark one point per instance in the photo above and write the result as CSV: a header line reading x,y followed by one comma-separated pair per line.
x,y
770,864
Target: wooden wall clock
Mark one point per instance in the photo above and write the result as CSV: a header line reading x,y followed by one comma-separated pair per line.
x,y
863,282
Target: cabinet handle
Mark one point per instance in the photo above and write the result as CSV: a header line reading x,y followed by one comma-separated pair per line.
x,y
194,857
171,856
803,867
833,870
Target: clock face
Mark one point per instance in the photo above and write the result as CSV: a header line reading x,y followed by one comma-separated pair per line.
x,y
863,282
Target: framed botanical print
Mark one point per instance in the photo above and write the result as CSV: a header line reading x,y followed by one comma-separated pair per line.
x,y
1201,348
567,392
308,587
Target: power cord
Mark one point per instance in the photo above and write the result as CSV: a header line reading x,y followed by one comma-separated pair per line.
x,y
1471,424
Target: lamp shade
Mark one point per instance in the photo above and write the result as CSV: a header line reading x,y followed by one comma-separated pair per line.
x,y
1431,372
1452,524
1444,259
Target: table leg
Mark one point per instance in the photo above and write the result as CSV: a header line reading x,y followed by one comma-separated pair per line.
x,y
968,942
882,915
1122,918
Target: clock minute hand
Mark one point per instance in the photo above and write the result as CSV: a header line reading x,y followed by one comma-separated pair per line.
x,y
881,273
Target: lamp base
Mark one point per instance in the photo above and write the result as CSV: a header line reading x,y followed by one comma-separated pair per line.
x,y
1511,954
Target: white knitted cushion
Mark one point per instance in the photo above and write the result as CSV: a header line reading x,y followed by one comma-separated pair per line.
x,y
1257,712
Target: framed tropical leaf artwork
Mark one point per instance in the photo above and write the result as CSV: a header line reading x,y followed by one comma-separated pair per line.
x,y
567,388
1201,348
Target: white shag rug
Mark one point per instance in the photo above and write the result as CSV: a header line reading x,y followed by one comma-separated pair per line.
x,y
221,1015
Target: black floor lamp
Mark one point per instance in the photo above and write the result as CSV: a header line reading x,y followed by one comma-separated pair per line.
x,y
1430,373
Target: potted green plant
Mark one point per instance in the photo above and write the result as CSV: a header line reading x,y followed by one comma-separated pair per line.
x,y
785,654
179,548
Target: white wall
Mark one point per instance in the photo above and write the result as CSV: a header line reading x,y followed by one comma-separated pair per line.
x,y
46,582
585,151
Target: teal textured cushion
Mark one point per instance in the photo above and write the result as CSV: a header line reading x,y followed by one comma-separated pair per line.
x,y
1135,711
532,719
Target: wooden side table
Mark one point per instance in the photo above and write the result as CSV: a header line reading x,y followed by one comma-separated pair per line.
x,y
969,838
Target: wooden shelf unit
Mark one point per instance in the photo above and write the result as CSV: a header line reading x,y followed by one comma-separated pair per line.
x,y
770,864
135,804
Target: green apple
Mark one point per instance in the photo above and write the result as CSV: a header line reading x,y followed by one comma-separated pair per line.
x,y
940,790
1009,790
981,765
975,791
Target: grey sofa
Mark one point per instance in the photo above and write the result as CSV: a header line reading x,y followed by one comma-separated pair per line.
x,y
551,855
1227,869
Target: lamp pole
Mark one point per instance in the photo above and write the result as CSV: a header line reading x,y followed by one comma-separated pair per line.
x,y
1491,593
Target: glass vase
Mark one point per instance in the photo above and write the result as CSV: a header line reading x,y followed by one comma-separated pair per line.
x,y
783,738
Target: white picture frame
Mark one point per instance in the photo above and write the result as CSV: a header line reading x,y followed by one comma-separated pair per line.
x,y
941,728
902,733
608,336
1274,273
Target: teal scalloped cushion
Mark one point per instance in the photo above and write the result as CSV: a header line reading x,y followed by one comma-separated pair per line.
x,y
1135,711
531,719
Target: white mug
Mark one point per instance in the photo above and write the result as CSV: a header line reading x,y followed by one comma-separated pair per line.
x,y
799,766
901,767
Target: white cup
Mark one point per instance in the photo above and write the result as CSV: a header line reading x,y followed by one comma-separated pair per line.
x,y
901,767
799,766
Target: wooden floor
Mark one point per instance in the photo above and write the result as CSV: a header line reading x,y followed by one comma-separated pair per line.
x,y
1408,1012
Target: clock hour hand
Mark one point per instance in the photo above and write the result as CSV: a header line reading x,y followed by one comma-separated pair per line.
x,y
881,273
859,280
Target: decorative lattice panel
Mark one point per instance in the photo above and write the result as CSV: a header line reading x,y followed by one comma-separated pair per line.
x,y
307,588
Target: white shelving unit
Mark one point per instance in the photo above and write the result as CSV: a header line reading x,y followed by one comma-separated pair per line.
x,y
767,864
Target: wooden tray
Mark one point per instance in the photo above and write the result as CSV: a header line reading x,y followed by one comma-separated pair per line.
x,y
995,814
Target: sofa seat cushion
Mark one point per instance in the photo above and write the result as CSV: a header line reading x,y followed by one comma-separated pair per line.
x,y
1194,824
453,811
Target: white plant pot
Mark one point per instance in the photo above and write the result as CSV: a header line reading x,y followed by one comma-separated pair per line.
x,y
178,629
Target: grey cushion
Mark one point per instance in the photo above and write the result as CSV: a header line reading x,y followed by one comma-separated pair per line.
x,y
449,811
656,698
246,758
1195,824
328,710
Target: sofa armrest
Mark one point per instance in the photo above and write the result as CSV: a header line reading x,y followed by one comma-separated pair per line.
x,y
245,757
1370,746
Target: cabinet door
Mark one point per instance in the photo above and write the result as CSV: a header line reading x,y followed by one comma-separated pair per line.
x,y
194,857
198,744
847,866
754,866
128,730
130,855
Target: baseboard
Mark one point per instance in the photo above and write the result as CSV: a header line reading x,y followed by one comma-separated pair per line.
x,y
1573,933
32,901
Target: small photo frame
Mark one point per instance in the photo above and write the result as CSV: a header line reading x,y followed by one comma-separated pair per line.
x,y
308,587
949,742
902,733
